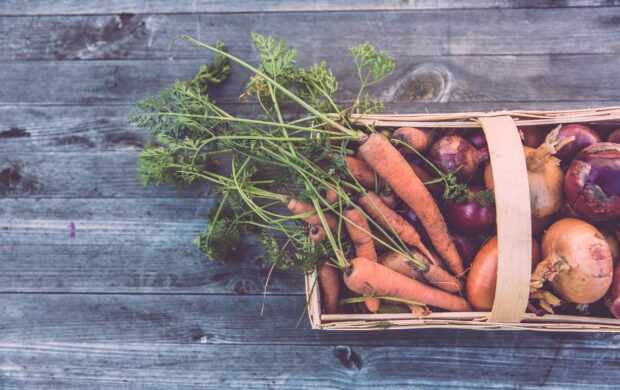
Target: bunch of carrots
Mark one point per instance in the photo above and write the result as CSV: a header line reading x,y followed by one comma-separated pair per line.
x,y
389,217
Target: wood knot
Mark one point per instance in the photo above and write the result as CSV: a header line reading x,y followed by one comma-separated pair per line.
x,y
426,83
348,358
245,287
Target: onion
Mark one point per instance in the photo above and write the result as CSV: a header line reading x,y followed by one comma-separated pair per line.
x,y
584,136
482,277
453,152
577,263
611,240
614,136
593,182
467,246
477,139
545,177
389,198
540,224
469,215
533,136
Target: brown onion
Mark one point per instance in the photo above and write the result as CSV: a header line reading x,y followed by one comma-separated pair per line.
x,y
482,278
577,262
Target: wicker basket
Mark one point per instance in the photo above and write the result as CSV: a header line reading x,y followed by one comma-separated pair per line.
x,y
513,229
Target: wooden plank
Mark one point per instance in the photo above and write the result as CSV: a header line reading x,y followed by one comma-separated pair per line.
x,y
80,175
77,7
216,320
122,245
104,128
461,32
417,79
161,366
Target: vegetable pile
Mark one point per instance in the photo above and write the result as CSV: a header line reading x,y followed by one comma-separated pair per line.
x,y
390,218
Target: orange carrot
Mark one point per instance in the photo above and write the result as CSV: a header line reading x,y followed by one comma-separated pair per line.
x,y
366,277
419,139
435,275
390,220
361,172
317,234
358,229
298,207
331,196
330,287
390,165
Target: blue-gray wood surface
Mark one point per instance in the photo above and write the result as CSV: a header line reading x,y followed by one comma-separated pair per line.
x,y
126,301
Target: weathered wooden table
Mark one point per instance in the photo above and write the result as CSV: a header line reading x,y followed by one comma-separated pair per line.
x,y
101,287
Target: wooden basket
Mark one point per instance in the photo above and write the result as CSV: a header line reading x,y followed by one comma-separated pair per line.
x,y
513,229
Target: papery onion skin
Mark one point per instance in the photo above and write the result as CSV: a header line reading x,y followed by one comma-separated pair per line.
x,y
482,278
614,136
587,253
584,136
469,216
593,182
452,151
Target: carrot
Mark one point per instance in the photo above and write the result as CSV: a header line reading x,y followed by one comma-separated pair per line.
x,y
390,165
298,207
390,220
435,275
367,277
330,287
361,172
317,234
418,139
358,229
331,196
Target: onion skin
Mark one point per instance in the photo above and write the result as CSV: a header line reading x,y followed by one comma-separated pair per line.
x,y
477,139
593,182
469,216
482,278
614,136
612,298
588,256
452,151
584,136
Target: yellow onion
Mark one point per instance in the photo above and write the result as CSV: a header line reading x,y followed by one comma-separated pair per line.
x,y
577,263
545,177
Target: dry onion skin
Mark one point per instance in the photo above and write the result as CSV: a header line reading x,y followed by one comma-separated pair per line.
x,y
577,264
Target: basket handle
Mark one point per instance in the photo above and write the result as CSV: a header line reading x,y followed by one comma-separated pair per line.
x,y
514,223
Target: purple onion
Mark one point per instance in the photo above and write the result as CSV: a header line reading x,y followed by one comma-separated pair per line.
x,y
584,136
592,182
614,136
477,139
452,151
467,246
469,216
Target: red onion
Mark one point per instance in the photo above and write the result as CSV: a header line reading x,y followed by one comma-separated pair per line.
x,y
467,246
469,215
533,136
584,136
614,136
477,139
452,151
593,182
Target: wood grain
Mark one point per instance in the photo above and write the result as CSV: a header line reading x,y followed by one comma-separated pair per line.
x,y
160,366
73,7
455,32
417,79
122,245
